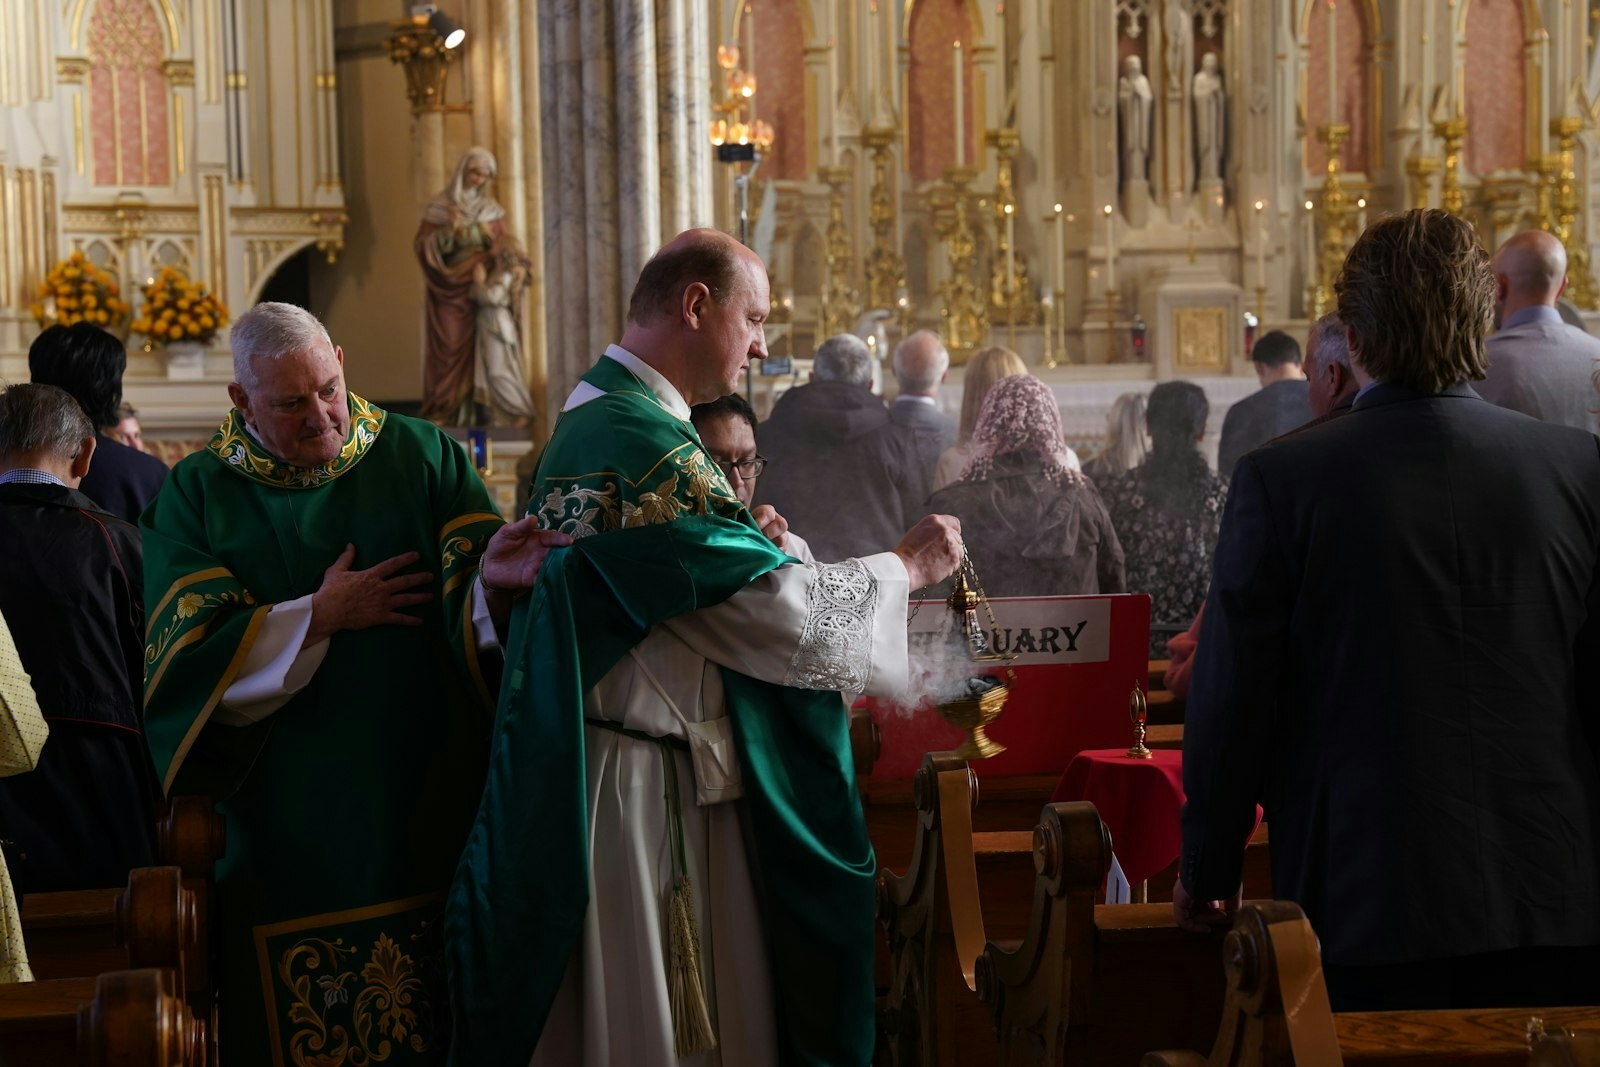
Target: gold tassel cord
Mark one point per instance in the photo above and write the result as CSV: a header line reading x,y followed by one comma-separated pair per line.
x,y
691,1014
692,1029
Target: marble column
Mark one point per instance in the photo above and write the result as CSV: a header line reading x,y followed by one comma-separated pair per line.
x,y
624,108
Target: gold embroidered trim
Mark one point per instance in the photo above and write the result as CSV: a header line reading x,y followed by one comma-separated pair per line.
x,y
691,484
245,456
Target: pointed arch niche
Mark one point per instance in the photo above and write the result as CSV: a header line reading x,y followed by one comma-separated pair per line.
x,y
933,26
780,70
1496,88
129,135
1358,30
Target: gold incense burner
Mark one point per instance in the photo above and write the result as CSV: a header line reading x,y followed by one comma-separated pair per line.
x,y
979,699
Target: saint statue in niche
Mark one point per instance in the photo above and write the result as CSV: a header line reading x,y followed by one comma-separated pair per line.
x,y
1177,30
1134,106
463,230
497,288
1210,119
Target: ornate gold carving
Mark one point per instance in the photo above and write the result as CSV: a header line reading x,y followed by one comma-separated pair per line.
x,y
841,302
420,50
1200,333
886,267
1567,204
214,225
1010,288
77,132
47,190
330,233
235,447
71,70
965,312
1452,132
236,80
178,71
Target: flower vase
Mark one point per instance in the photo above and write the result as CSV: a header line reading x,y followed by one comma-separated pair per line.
x,y
185,359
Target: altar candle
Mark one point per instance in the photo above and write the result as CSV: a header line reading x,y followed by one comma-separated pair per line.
x,y
1111,248
833,90
872,60
1544,93
1427,69
1311,245
1061,252
961,110
1361,216
1261,243
1563,55
1011,245
750,51
1454,110
1333,66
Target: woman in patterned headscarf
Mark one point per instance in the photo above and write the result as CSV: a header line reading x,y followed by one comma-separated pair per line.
x,y
1033,526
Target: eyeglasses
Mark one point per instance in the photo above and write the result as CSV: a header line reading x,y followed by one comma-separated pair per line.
x,y
747,468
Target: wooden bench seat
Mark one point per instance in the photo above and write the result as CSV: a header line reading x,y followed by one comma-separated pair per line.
x,y
1272,959
124,1018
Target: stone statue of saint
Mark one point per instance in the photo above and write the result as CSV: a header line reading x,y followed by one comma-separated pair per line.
x,y
1177,29
501,377
1134,106
462,228
1210,119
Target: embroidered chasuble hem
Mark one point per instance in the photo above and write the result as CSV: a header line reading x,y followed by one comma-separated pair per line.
x,y
387,996
230,672
188,579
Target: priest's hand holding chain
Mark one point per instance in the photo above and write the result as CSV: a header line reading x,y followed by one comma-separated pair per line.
x,y
355,600
931,550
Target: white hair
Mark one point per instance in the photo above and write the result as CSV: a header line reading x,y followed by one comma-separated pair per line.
x,y
271,331
920,362
844,357
1333,344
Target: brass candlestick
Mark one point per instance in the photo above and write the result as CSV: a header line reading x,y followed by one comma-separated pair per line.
x,y
1452,132
1048,307
1420,170
1567,204
841,302
1334,215
965,313
1009,284
1112,348
1139,712
886,267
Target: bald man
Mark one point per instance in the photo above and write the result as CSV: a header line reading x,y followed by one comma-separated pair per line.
x,y
671,807
1538,364
921,365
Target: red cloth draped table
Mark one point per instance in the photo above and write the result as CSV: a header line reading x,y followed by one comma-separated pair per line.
x,y
1139,800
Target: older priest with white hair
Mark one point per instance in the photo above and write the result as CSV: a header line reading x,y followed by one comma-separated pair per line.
x,y
671,864
323,581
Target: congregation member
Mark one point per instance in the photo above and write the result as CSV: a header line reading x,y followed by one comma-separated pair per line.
x,y
1393,663
727,429
1331,393
1276,408
921,366
326,585
1127,442
126,429
1332,388
1032,525
841,471
1166,512
71,590
671,856
1538,364
26,733
986,367
89,363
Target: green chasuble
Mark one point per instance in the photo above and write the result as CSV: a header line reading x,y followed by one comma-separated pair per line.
x,y
346,807
660,534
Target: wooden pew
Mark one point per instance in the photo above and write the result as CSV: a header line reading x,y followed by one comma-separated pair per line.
x,y
1272,960
960,887
1095,984
1566,1050
122,1018
152,923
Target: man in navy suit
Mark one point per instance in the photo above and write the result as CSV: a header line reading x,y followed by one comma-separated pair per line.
x,y
88,363
1404,602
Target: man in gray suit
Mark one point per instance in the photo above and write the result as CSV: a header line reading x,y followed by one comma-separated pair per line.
x,y
921,365
1279,407
1539,365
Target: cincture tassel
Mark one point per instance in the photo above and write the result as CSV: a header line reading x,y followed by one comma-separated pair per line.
x,y
692,1029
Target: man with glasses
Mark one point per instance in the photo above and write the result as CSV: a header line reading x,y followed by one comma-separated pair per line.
x,y
727,428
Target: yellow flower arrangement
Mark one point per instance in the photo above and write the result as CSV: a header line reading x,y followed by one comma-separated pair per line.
x,y
178,309
76,290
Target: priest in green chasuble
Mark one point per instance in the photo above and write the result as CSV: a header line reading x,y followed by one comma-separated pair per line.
x,y
670,864
324,583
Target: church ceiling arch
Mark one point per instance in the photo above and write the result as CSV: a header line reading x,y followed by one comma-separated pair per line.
x,y
263,258
169,16
1532,20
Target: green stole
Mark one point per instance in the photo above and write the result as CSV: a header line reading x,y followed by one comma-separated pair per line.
x,y
661,534
346,808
